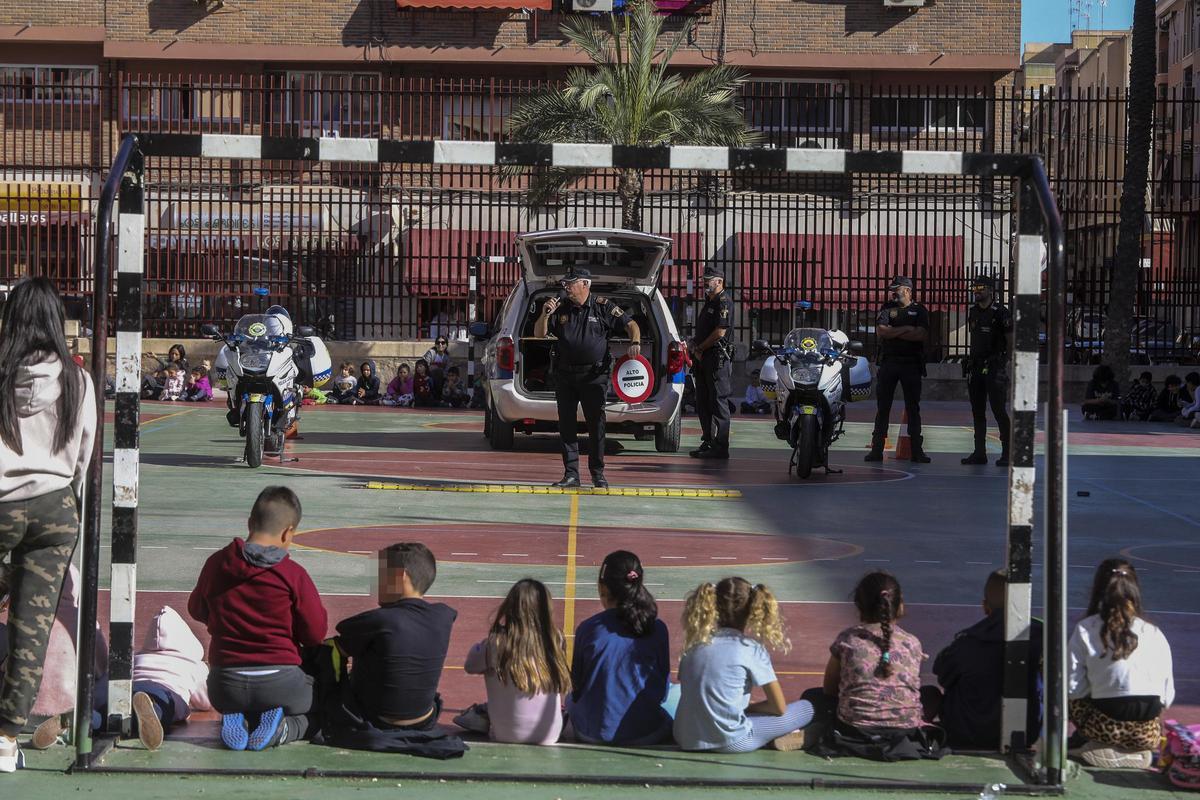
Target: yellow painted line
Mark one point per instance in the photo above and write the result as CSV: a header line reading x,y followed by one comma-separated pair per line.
x,y
168,416
524,488
569,599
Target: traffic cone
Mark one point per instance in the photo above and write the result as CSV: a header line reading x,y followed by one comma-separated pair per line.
x,y
903,442
293,431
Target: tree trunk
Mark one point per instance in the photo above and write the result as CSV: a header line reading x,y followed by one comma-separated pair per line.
x,y
1122,287
629,188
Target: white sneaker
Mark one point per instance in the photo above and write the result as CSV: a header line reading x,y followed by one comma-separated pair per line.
x,y
11,757
474,719
1106,757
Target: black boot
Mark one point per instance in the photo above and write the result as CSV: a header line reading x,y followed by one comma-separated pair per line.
x,y
1002,461
876,451
976,457
703,448
567,482
918,453
599,481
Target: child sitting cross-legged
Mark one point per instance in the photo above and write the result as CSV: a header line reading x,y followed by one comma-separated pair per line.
x,y
524,664
728,628
261,608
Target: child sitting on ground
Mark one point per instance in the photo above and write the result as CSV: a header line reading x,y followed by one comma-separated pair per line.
x,y
344,385
366,393
1140,401
727,630
422,385
971,672
173,385
454,394
621,667
1189,413
524,664
400,390
756,401
261,608
873,678
1119,674
399,649
1170,400
1102,399
197,389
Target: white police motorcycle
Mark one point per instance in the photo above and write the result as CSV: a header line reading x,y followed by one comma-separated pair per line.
x,y
262,367
814,375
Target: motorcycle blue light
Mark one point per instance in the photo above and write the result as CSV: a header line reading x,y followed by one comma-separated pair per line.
x,y
261,291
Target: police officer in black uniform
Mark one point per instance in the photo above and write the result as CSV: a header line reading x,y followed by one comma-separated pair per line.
x,y
903,329
582,367
989,325
712,353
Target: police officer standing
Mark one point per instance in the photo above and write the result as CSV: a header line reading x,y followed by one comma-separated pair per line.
x,y
986,368
582,367
903,329
712,354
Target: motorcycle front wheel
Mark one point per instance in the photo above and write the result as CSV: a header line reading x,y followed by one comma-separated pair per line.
x,y
255,434
804,457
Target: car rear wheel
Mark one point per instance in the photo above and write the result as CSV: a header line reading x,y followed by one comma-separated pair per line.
x,y
666,437
500,433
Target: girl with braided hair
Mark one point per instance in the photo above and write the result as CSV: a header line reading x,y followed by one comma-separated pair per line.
x,y
1119,677
728,629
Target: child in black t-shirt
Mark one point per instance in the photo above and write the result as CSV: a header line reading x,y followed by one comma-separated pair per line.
x,y
399,649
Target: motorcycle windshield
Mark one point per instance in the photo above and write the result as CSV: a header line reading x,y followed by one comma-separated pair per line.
x,y
259,330
807,345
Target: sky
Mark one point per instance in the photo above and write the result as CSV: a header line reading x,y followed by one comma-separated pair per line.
x,y
1050,20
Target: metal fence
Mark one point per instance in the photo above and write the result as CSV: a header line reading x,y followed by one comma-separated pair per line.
x,y
379,251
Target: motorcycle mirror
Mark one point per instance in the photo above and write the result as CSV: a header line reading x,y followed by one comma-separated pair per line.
x,y
480,330
208,329
855,347
760,347
304,331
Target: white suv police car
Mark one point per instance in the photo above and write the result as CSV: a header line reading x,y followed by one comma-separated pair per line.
x,y
625,267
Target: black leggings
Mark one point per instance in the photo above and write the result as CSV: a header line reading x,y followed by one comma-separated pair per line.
x,y
288,687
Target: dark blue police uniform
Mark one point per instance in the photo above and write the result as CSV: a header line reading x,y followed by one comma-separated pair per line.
x,y
714,372
901,362
987,372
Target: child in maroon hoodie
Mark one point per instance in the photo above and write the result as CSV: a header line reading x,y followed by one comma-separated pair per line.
x,y
260,607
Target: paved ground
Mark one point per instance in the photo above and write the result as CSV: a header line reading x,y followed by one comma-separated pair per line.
x,y
939,527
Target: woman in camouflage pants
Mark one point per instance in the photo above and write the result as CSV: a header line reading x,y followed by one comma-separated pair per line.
x,y
47,427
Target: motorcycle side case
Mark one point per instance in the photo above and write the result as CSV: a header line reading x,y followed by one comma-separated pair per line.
x,y
860,379
314,363
767,376
220,370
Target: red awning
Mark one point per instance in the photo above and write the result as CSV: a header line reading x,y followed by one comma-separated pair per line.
x,y
477,5
687,247
847,270
436,262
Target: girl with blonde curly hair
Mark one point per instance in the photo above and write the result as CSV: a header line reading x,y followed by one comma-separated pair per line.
x,y
728,629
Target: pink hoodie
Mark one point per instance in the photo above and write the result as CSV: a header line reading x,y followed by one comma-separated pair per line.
x,y
172,656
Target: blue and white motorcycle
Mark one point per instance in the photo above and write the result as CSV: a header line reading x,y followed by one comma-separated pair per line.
x,y
813,375
263,367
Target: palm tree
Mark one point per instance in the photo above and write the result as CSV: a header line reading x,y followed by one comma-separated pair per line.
x,y
627,97
1122,287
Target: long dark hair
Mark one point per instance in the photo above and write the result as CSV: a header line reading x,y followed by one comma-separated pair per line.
x,y
1117,598
531,652
879,600
624,578
32,331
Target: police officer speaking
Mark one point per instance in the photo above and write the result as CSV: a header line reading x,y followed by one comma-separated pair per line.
x,y
581,367
713,356
903,329
986,368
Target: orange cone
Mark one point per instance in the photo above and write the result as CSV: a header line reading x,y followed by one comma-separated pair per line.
x,y
293,430
903,443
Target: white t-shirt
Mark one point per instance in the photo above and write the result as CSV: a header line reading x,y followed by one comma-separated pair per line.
x,y
1146,671
715,680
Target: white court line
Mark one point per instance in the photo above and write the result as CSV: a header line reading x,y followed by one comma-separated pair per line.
x,y
516,555
464,554
979,563
722,558
775,558
878,560
926,562
681,558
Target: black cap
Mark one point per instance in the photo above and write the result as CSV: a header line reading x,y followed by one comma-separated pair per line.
x,y
901,280
578,274
712,271
984,280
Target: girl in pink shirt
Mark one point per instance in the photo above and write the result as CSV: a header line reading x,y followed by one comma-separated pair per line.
x,y
524,664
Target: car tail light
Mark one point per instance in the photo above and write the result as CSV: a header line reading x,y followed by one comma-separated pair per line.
x,y
506,354
676,357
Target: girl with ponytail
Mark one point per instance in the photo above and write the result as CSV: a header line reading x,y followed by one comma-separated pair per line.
x,y
622,662
1119,677
728,629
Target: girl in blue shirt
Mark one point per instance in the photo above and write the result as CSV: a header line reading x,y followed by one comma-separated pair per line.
x,y
622,662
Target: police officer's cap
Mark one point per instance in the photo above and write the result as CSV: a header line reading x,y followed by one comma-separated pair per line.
x,y
901,280
577,274
984,280
711,272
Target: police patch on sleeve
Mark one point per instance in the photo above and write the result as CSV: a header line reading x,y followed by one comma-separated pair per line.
x,y
893,313
616,310
724,313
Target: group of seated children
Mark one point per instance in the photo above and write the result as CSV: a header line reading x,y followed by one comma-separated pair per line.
x,y
266,622
419,387
1178,401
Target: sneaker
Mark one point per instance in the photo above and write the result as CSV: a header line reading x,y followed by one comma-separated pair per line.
x,y
46,735
789,741
233,731
475,719
150,729
11,757
268,731
1106,757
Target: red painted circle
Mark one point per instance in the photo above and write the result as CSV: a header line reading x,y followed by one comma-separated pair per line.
x,y
645,375
507,543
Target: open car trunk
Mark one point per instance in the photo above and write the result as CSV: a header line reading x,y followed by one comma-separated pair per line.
x,y
614,257
533,364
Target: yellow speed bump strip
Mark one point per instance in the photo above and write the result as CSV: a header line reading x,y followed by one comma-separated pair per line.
x,y
522,488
